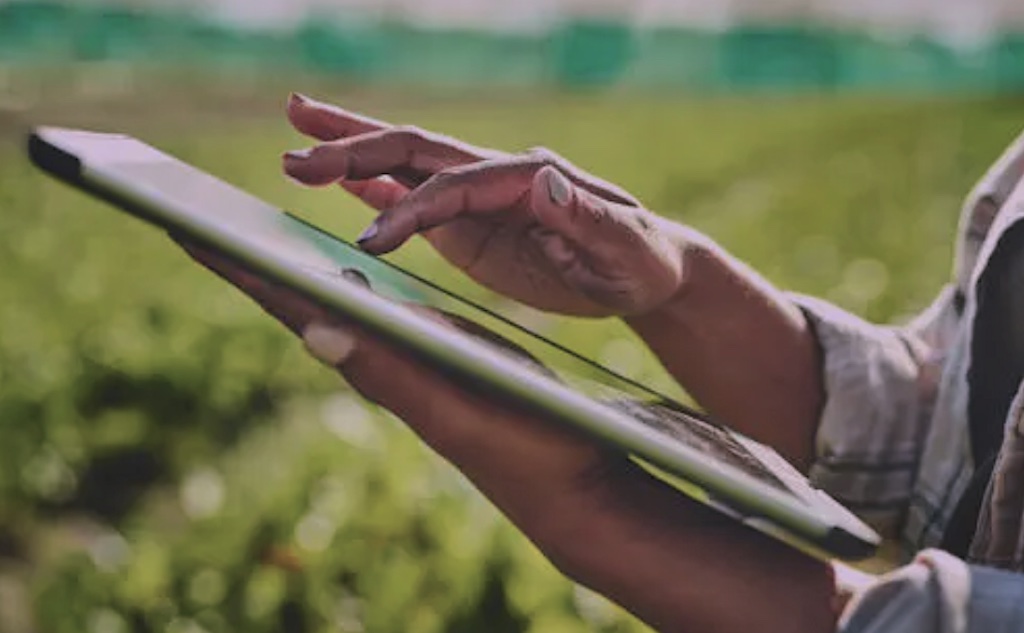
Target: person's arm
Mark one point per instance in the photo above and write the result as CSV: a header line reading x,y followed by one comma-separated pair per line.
x,y
741,348
611,526
841,398
538,230
600,518
681,566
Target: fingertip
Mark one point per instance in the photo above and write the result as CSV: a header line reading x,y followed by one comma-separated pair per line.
x,y
315,166
296,107
385,234
296,100
369,240
292,164
305,115
552,194
368,233
377,246
559,189
372,248
295,181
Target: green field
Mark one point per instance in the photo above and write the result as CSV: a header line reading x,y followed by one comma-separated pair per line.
x,y
170,460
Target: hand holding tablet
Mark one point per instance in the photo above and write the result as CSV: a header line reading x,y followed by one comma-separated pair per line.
x,y
566,449
297,272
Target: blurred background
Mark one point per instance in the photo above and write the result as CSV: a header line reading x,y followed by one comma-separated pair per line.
x,y
171,461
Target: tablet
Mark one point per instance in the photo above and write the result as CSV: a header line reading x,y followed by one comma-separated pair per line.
x,y
734,474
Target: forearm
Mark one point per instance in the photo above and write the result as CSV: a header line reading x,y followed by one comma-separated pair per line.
x,y
740,348
680,566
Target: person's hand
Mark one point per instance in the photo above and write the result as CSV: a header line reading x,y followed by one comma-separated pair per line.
x,y
481,436
600,518
530,226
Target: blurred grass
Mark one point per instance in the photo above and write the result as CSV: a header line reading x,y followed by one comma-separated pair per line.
x,y
170,459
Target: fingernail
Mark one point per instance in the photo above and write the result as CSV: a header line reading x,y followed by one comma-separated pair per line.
x,y
299,154
330,344
297,98
558,188
368,234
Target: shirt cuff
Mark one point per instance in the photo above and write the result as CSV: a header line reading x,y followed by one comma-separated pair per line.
x,y
937,593
870,434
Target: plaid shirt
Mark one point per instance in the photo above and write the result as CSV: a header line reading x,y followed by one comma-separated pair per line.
x,y
895,443
915,417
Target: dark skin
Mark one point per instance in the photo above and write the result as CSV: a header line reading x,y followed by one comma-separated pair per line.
x,y
538,230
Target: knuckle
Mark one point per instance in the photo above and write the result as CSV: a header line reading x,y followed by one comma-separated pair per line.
x,y
457,174
408,135
406,131
547,157
542,154
418,138
445,178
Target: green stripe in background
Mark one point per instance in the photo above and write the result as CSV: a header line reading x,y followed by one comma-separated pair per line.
x,y
576,53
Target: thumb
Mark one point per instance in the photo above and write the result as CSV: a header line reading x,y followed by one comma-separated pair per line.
x,y
577,215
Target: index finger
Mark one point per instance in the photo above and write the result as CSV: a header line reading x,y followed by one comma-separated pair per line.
x,y
485,187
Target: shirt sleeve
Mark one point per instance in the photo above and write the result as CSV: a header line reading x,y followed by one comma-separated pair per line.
x,y
939,593
879,390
